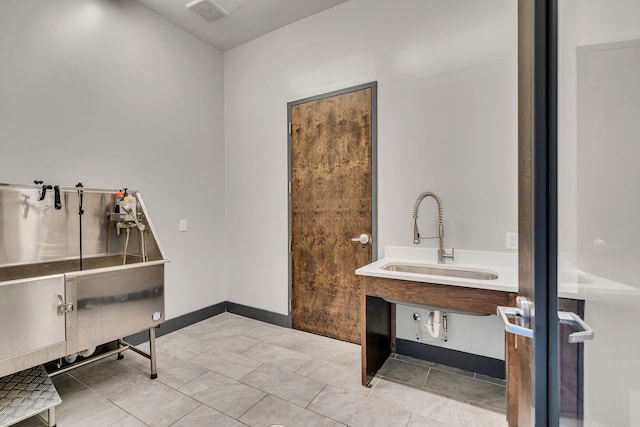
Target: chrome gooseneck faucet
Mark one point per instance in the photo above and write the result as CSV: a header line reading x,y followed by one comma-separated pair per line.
x,y
416,233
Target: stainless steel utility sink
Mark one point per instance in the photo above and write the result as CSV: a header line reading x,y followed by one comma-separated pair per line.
x,y
433,270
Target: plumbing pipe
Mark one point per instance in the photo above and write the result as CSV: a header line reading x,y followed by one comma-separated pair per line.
x,y
141,227
126,246
143,246
416,321
434,323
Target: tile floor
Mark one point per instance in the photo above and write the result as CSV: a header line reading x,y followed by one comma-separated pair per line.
x,y
233,371
469,387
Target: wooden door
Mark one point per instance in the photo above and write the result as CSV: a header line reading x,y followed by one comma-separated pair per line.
x,y
521,414
331,203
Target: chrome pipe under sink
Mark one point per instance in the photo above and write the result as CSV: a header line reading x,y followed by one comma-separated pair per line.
x,y
442,271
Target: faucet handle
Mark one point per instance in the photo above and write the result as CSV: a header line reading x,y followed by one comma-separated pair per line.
x,y
450,256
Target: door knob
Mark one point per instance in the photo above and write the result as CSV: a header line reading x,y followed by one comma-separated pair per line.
x,y
363,239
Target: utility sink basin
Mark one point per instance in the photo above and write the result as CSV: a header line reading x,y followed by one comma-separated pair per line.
x,y
433,270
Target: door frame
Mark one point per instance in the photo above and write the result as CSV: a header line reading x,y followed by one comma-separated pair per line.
x,y
374,171
538,163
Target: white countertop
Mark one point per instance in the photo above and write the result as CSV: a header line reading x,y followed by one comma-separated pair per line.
x,y
576,284
505,265
573,283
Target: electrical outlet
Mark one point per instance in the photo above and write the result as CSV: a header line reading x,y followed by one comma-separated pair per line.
x,y
512,240
182,225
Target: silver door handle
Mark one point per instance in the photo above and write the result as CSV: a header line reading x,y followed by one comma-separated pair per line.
x,y
514,313
363,239
584,332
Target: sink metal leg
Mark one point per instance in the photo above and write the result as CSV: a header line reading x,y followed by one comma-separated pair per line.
x,y
152,353
52,416
120,355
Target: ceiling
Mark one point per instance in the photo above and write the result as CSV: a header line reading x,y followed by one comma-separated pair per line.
x,y
247,20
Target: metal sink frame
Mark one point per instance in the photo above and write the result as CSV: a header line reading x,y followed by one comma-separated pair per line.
x,y
63,286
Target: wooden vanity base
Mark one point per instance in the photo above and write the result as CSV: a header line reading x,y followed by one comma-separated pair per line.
x,y
378,327
379,331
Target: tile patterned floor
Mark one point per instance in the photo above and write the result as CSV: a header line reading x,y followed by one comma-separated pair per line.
x,y
468,387
231,371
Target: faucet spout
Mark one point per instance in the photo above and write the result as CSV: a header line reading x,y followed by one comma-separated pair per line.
x,y
416,232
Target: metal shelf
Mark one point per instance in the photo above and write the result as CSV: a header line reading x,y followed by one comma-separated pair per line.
x,y
25,394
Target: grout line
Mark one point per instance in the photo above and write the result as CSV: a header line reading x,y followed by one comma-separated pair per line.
x,y
307,407
314,399
490,382
189,382
411,417
373,386
424,384
252,406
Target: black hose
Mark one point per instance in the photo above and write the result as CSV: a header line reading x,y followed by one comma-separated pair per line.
x,y
80,212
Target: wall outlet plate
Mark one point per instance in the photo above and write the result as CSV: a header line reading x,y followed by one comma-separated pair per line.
x,y
512,241
182,225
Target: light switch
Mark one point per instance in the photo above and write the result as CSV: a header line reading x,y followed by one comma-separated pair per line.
x,y
183,225
512,241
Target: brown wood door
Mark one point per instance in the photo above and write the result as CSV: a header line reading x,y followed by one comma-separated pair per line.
x,y
522,413
331,203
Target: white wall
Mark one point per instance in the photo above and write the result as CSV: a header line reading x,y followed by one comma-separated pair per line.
x,y
110,94
447,123
612,373
582,23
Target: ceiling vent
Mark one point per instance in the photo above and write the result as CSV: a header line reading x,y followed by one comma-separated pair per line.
x,y
208,9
